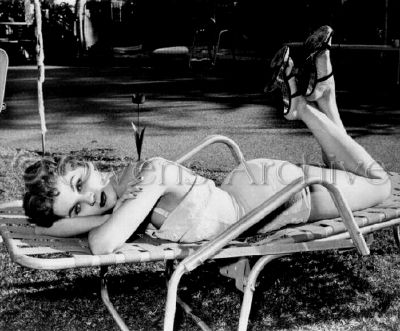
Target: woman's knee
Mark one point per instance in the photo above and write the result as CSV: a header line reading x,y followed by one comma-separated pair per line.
x,y
368,192
375,171
359,196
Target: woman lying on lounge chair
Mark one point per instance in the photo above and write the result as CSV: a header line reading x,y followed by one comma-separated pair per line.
x,y
171,202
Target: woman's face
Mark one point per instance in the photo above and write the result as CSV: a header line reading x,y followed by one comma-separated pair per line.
x,y
83,191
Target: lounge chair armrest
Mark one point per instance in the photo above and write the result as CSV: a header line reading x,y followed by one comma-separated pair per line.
x,y
347,216
211,248
234,148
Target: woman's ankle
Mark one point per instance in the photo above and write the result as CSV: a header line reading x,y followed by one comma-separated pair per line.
x,y
323,89
325,80
300,105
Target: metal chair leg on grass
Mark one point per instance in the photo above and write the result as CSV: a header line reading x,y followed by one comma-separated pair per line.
x,y
396,234
250,288
107,302
172,296
186,308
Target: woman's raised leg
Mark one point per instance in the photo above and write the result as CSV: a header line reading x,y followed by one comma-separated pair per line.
x,y
326,125
362,180
325,96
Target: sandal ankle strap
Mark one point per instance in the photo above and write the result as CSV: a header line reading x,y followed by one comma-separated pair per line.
x,y
322,79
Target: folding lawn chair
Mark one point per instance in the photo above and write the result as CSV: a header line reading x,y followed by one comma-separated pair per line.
x,y
45,252
3,77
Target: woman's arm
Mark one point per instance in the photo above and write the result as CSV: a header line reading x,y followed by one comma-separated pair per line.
x,y
68,227
123,222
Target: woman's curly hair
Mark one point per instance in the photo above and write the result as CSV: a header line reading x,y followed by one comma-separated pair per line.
x,y
40,184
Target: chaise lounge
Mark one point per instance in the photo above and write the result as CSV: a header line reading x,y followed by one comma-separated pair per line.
x,y
45,252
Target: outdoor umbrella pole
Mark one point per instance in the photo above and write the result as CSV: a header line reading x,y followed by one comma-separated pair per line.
x,y
40,64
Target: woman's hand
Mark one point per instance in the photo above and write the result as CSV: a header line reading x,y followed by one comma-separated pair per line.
x,y
123,222
131,192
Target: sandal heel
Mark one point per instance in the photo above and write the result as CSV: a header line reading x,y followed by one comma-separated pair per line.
x,y
280,80
315,44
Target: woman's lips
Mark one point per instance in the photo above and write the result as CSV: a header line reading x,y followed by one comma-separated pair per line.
x,y
103,199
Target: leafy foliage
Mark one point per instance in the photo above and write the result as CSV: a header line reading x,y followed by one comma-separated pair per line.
x,y
12,10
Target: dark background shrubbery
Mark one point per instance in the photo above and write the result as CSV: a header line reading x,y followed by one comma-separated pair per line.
x,y
258,25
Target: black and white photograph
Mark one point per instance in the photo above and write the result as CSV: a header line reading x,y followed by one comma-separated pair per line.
x,y
186,165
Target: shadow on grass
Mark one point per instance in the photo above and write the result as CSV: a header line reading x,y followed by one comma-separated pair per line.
x,y
317,287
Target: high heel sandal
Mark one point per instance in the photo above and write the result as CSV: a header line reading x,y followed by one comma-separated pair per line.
x,y
278,64
280,80
315,44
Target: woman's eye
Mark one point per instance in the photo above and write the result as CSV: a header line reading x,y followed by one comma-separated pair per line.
x,y
79,185
77,208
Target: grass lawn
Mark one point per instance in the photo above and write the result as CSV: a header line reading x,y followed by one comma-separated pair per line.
x,y
317,291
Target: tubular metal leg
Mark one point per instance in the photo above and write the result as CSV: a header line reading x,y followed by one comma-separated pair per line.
x,y
250,288
396,234
186,308
107,302
170,306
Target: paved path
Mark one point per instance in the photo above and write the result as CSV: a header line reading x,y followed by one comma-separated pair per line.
x,y
91,108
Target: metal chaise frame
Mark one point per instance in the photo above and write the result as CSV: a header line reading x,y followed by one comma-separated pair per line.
x,y
22,242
